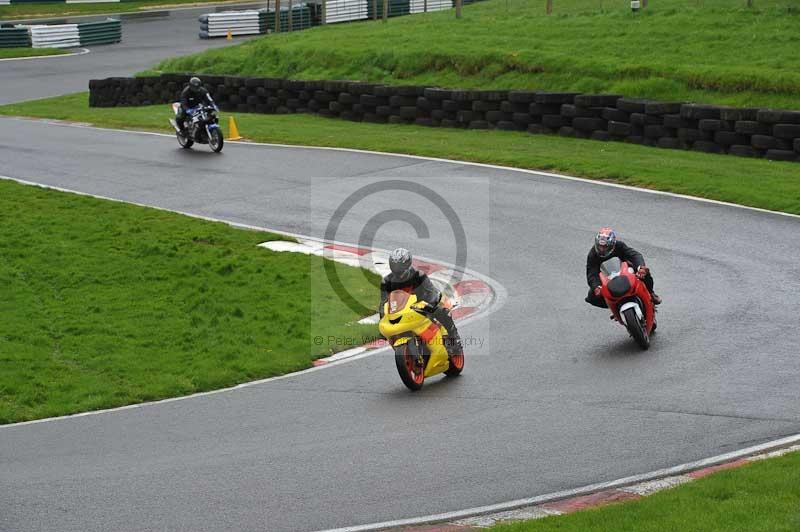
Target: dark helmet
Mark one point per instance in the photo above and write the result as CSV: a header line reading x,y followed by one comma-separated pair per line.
x,y
604,242
195,82
400,263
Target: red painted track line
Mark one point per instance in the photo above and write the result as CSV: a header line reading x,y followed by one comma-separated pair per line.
x,y
700,473
348,249
594,500
471,286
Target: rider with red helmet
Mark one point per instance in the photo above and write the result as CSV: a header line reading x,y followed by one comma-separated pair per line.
x,y
606,246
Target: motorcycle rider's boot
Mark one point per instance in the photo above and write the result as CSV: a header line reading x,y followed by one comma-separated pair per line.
x,y
656,298
453,345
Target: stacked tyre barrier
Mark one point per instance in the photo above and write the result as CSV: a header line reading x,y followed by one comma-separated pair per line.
x,y
73,35
307,14
104,32
768,133
254,22
10,2
301,18
15,38
341,10
421,6
233,22
55,36
396,8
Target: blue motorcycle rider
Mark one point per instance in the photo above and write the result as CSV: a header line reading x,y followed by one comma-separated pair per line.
x,y
193,94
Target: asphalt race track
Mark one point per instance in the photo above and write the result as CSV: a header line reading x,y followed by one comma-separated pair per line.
x,y
557,397
146,39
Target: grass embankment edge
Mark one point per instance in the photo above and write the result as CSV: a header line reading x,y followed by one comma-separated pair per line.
x,y
31,53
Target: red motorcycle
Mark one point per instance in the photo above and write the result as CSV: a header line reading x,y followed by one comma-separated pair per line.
x,y
629,301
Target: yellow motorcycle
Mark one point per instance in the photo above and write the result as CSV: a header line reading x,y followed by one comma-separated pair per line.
x,y
418,341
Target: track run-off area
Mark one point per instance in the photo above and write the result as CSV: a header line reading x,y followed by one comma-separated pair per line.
x,y
553,397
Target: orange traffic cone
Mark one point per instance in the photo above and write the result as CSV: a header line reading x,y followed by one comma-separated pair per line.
x,y
233,131
230,36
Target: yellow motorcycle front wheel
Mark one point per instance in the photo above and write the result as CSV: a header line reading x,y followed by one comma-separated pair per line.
x,y
410,365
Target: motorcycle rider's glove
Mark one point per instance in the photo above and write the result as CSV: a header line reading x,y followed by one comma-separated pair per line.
x,y
597,290
424,307
642,272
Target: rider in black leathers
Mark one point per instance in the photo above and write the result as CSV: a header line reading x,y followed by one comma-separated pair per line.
x,y
606,246
405,277
192,95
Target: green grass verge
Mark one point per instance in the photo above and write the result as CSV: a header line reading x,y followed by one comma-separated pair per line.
x,y
106,304
762,496
714,51
9,53
56,9
754,182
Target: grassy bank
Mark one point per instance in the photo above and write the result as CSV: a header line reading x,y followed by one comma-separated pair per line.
x,y
9,53
56,9
760,497
755,182
714,51
105,304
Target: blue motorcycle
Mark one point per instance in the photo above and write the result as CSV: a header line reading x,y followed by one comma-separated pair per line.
x,y
201,126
